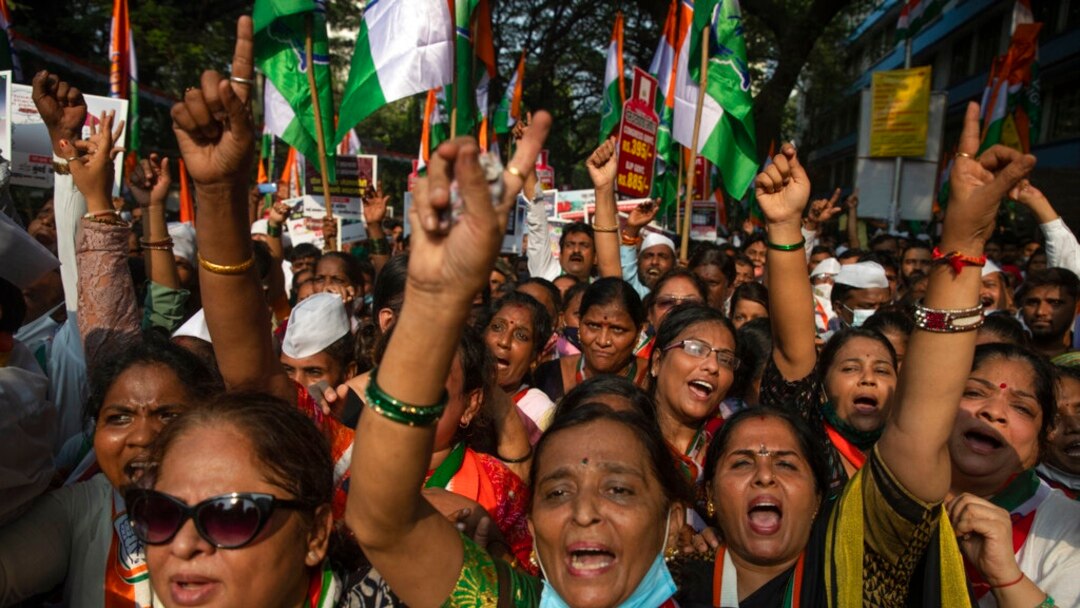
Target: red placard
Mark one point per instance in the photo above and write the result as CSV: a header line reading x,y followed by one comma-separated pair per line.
x,y
637,138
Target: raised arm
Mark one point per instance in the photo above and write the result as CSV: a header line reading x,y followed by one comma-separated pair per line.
x,y
1062,249
214,129
375,203
782,190
602,169
414,548
914,443
852,204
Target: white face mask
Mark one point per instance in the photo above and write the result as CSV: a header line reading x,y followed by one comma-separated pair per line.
x,y
860,315
823,290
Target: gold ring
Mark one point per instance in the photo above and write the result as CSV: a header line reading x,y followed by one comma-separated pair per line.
x,y
512,170
964,155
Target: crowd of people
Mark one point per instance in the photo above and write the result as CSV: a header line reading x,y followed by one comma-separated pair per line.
x,y
795,415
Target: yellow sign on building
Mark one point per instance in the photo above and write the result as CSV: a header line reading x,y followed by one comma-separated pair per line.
x,y
900,112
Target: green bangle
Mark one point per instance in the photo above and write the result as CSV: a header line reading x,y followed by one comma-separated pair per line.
x,y
1047,603
403,413
272,230
379,246
792,247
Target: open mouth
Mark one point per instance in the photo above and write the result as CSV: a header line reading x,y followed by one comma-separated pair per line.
x,y
982,443
586,560
501,363
134,469
701,389
987,301
865,404
764,516
1072,450
189,590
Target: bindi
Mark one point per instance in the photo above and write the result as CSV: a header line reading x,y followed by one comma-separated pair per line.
x,y
764,451
1003,386
584,461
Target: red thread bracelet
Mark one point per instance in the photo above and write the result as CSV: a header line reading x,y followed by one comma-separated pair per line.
x,y
1008,584
957,260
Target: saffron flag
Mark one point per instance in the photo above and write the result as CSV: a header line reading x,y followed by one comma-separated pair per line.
x,y
614,86
436,127
123,70
915,15
726,135
187,201
281,28
484,49
404,47
663,69
1010,101
8,59
509,110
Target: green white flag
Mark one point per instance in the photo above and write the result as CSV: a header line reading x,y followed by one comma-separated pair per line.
x,y
280,33
614,87
404,47
726,137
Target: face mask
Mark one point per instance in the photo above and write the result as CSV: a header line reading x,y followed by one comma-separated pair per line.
x,y
368,299
655,588
823,291
571,335
860,315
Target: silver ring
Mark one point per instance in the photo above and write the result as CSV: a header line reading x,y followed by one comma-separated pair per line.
x,y
71,158
247,81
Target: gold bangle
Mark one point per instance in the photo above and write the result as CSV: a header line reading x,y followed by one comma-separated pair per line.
x,y
605,228
240,268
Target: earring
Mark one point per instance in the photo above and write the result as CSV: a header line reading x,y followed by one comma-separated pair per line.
x,y
670,554
710,509
532,558
464,423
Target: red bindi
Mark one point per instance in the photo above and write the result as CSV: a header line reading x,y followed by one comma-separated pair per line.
x,y
1003,386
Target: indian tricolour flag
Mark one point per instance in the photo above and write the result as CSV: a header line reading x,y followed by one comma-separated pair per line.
x,y
404,47
123,71
614,87
1006,117
916,14
726,133
663,69
436,127
509,110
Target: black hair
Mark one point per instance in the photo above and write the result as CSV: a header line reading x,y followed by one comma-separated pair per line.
x,y
576,228
149,348
753,291
883,258
343,351
389,290
676,273
1071,372
916,244
1005,327
821,249
850,253
809,443
841,338
477,374
12,306
1045,377
711,254
591,389
741,258
757,237
671,480
613,290
753,347
305,250
684,316
553,291
1049,277
890,319
572,293
264,260
541,320
353,269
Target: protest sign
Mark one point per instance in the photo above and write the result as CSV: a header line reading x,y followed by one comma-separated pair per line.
x,y
515,228
900,108
703,220
637,138
31,150
571,204
354,175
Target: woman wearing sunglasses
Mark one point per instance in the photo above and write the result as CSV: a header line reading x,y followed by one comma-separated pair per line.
x,y
692,367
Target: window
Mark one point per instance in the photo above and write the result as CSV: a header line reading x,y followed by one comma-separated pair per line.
x,y
1065,112
988,43
960,63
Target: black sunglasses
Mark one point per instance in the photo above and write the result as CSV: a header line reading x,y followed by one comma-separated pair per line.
x,y
229,521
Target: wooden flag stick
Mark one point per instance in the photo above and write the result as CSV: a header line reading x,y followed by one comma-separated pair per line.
x,y
678,188
320,137
702,79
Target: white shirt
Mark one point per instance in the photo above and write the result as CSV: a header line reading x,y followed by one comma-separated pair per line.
x,y
27,433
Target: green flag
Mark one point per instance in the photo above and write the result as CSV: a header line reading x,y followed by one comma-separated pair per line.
x,y
726,136
614,87
280,32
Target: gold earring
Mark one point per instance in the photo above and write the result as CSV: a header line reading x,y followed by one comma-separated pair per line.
x,y
670,553
710,509
532,558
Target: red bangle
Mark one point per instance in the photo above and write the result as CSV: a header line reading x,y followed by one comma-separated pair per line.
x,y
957,260
1008,584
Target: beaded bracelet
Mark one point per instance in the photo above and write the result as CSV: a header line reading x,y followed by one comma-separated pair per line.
x,y
230,269
793,247
402,413
948,321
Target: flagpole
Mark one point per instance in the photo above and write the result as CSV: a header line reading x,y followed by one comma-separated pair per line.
x,y
319,137
678,188
894,211
702,79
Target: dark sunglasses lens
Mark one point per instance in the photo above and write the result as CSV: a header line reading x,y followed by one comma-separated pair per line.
x,y
155,518
230,522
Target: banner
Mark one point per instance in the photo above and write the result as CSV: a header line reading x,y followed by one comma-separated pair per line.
x,y
354,175
637,138
900,111
703,220
31,149
515,229
571,204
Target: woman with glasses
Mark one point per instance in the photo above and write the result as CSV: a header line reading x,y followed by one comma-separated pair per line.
x,y
692,367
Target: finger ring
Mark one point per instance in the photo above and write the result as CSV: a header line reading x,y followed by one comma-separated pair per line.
x,y
512,170
964,155
71,158
240,80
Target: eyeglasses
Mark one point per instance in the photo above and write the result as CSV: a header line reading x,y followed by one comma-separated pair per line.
x,y
229,521
700,350
665,302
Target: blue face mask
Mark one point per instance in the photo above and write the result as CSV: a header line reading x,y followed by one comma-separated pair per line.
x,y
655,588
368,299
860,315
571,335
